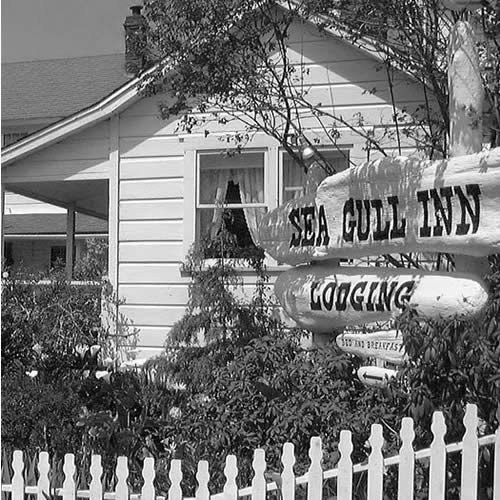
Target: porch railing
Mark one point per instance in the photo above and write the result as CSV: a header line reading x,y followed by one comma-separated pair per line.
x,y
286,484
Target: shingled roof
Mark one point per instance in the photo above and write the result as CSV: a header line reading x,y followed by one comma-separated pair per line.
x,y
56,88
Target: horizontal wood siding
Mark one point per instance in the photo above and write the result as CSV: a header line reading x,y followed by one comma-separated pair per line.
x,y
156,209
154,272
154,251
151,215
151,168
147,230
155,187
151,189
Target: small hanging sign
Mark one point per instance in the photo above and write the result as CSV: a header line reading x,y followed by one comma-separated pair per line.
x,y
375,376
385,345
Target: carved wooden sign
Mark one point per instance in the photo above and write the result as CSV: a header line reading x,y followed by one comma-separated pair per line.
x,y
322,298
392,205
385,345
374,375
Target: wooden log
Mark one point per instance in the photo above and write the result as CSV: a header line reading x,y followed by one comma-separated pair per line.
x,y
466,109
466,91
321,299
392,205
386,345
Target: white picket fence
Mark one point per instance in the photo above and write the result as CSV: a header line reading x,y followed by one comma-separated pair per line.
x,y
287,482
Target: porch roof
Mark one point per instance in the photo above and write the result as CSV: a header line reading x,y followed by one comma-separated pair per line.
x,y
42,224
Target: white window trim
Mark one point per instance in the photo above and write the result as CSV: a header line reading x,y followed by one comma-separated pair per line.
x,y
340,148
191,193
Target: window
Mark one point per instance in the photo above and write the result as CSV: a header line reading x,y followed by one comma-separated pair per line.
x,y
57,256
230,199
294,177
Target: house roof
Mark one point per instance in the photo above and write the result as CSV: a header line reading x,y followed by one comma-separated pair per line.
x,y
56,88
120,100
54,224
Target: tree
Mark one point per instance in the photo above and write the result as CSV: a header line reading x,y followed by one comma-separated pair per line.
x,y
228,60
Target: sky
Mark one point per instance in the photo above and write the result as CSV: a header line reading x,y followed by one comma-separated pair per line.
x,y
53,29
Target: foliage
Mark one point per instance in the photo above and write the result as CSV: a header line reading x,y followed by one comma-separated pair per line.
x,y
455,362
227,61
43,321
251,384
92,265
413,35
52,335
214,309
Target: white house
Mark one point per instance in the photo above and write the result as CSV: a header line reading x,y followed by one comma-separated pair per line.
x,y
157,187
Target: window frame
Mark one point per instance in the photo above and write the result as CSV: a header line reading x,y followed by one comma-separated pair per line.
x,y
198,205
342,150
273,182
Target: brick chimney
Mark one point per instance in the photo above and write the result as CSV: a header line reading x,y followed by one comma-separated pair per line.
x,y
135,40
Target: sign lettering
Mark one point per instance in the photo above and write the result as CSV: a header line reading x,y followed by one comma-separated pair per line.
x,y
392,205
361,296
364,218
308,230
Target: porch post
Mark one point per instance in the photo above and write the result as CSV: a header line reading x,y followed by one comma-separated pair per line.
x,y
2,202
70,242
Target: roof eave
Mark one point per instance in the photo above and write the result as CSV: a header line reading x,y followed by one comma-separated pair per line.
x,y
103,109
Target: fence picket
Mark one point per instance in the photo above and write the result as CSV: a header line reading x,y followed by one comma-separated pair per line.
x,y
69,487
51,476
18,478
376,464
437,472
175,475
203,477
496,472
148,474
259,480
230,471
344,480
470,451
288,475
95,475
43,476
406,476
121,489
315,483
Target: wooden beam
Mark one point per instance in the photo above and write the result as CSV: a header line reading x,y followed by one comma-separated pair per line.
x,y
113,201
70,243
466,108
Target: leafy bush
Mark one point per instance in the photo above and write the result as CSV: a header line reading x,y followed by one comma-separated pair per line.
x,y
232,378
455,362
52,333
43,322
93,264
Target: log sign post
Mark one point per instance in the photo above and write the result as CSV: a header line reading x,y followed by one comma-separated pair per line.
x,y
393,205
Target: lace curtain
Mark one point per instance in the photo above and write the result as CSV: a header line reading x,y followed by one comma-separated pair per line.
x,y
251,189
